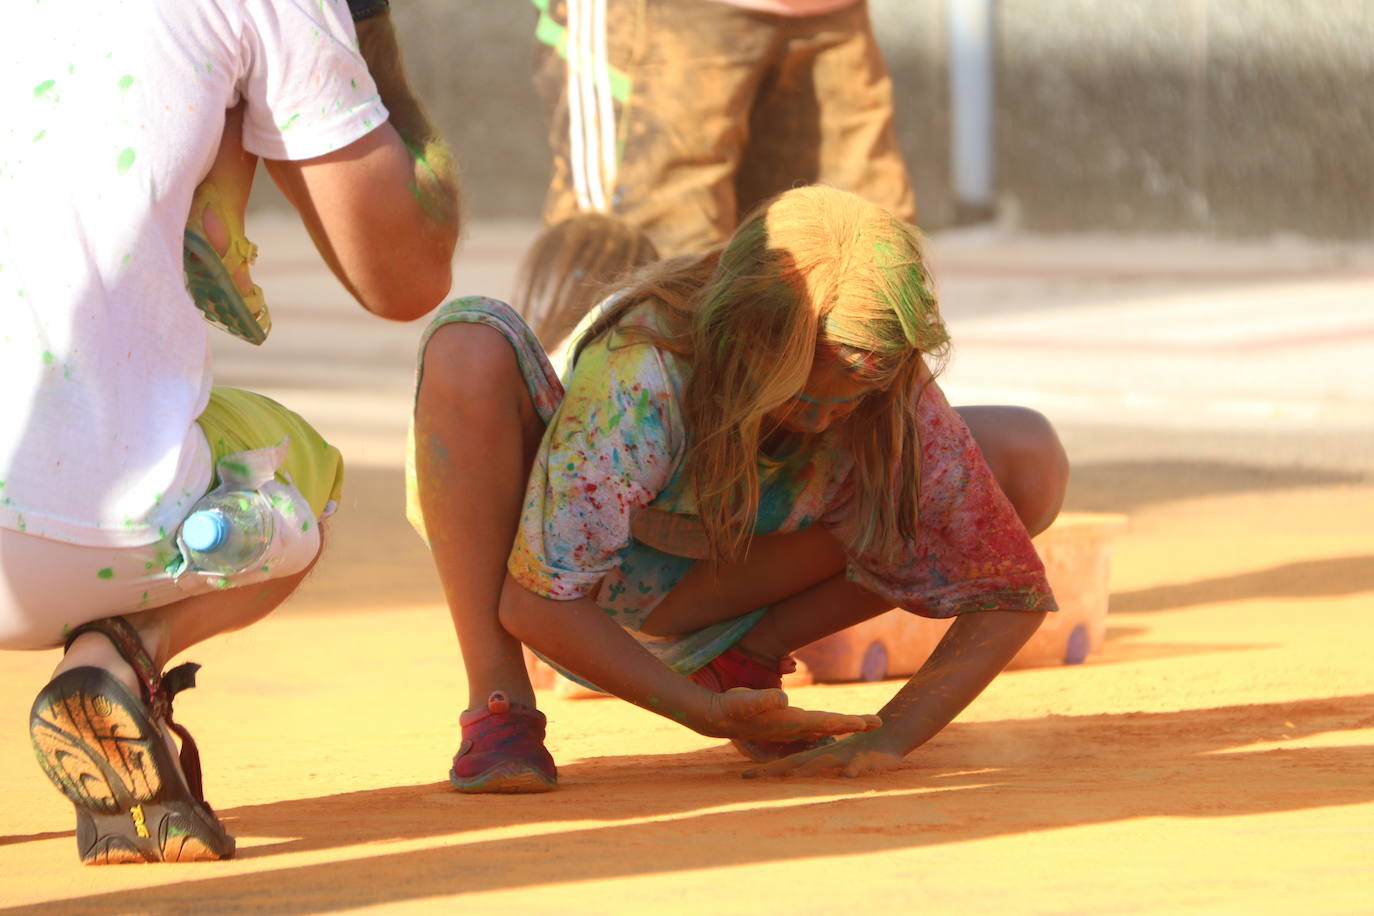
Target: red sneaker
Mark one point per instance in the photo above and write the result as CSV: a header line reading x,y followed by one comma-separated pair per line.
x,y
740,668
503,750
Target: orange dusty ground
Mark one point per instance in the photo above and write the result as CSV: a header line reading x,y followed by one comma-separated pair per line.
x,y
1216,757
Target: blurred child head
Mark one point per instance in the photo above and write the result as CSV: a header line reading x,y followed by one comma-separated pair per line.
x,y
571,266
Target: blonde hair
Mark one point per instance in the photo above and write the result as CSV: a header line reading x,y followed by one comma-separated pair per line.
x,y
570,266
814,268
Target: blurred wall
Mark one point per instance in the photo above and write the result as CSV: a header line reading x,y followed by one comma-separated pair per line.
x,y
1234,117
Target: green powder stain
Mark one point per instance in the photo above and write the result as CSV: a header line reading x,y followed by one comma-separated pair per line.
x,y
124,261
305,525
39,136
148,565
48,357
44,90
105,573
66,628
23,523
289,121
353,83
125,82
125,160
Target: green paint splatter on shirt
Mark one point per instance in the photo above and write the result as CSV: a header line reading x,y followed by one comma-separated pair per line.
x,y
39,136
305,525
125,82
289,121
44,90
125,160
48,357
106,573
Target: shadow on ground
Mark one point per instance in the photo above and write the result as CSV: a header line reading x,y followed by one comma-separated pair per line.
x,y
1122,486
977,780
1323,578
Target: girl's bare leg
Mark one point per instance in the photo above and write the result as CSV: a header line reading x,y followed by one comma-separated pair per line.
x,y
476,432
1025,455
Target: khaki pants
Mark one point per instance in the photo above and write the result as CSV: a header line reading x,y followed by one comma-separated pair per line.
x,y
682,115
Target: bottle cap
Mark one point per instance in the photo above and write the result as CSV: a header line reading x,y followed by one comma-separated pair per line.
x,y
204,530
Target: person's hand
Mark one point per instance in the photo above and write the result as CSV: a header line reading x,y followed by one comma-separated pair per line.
x,y
763,715
856,755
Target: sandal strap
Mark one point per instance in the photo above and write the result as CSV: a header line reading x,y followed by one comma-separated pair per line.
x,y
130,647
157,689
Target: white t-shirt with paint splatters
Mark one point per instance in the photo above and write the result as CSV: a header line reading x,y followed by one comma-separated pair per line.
x,y
112,115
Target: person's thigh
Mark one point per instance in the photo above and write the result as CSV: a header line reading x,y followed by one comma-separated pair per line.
x,y
681,75
48,587
825,115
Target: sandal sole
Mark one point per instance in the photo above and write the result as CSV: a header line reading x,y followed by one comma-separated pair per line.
x,y
97,745
215,294
511,778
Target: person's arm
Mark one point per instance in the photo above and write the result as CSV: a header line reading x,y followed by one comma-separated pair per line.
x,y
973,651
384,210
581,637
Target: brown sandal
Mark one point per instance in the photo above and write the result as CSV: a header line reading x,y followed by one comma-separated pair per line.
x,y
103,749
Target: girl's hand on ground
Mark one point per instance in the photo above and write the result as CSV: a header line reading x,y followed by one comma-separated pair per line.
x,y
763,715
856,755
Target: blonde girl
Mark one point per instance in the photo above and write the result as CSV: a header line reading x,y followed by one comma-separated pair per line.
x,y
751,454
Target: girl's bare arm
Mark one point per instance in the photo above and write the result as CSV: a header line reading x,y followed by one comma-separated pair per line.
x,y
973,652
578,635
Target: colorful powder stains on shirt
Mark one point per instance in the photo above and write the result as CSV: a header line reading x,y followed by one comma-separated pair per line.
x,y
607,513
609,472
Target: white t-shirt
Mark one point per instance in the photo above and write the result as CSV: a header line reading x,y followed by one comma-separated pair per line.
x,y
792,7
112,115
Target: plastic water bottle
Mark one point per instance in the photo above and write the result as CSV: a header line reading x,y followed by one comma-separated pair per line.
x,y
228,531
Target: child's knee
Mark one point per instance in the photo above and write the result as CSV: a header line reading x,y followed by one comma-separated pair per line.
x,y
1042,466
465,358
